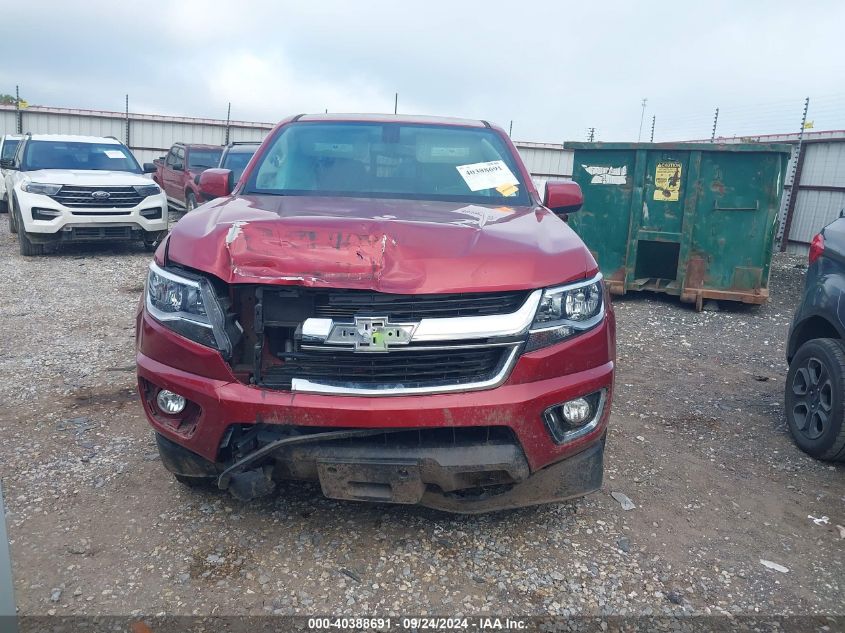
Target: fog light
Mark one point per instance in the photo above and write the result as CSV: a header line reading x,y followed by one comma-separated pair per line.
x,y
169,402
45,214
575,418
577,411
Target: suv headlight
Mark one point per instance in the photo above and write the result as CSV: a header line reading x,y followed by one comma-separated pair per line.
x,y
41,188
188,306
145,191
565,311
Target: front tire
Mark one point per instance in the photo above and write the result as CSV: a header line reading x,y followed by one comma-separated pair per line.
x,y
190,202
815,399
28,248
194,482
13,222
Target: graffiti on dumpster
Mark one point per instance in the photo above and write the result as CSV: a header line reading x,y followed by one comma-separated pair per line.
x,y
667,181
602,175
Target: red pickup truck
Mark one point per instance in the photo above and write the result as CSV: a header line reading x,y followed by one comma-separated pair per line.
x,y
177,172
385,305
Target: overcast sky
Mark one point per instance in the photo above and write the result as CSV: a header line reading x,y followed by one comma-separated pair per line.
x,y
553,68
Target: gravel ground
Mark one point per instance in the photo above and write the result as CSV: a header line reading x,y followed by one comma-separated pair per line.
x,y
697,442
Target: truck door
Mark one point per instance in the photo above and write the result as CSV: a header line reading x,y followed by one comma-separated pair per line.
x,y
174,167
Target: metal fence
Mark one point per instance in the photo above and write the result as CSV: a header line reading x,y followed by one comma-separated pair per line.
x,y
819,196
816,201
147,135
150,135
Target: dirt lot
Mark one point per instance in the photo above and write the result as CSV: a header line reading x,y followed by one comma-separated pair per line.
x,y
696,441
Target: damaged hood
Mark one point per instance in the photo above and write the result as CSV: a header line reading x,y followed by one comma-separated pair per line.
x,y
399,246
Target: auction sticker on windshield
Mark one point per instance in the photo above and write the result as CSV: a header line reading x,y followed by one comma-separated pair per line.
x,y
488,175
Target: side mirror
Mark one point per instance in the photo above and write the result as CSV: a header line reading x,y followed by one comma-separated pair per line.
x,y
149,168
563,196
197,179
7,163
215,183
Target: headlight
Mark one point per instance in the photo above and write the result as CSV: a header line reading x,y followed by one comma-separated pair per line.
x,y
146,191
188,307
39,187
565,311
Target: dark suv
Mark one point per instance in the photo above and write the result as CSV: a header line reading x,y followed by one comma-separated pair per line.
x,y
815,383
235,158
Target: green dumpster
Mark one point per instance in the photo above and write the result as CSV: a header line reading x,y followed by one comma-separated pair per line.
x,y
695,220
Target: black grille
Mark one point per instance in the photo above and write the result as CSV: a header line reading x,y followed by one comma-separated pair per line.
x,y
348,303
409,368
85,233
78,197
245,436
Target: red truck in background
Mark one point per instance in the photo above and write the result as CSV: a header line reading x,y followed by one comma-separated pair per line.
x,y
177,172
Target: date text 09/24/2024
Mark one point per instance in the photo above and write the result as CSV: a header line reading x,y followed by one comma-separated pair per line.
x,y
484,623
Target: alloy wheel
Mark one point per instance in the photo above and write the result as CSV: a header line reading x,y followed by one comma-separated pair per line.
x,y
813,391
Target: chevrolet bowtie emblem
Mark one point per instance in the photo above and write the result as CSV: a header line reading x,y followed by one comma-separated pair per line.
x,y
372,334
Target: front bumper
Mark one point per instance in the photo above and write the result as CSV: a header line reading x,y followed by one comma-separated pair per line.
x,y
432,477
78,223
539,469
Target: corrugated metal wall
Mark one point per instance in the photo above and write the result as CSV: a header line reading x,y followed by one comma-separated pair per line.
x,y
150,136
820,195
818,199
546,161
824,165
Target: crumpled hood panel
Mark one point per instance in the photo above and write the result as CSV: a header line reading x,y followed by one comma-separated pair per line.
x,y
399,246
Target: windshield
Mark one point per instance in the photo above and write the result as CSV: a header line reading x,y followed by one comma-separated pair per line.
x,y
389,160
78,155
9,147
204,158
237,162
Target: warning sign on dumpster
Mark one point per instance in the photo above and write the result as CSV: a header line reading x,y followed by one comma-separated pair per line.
x,y
667,181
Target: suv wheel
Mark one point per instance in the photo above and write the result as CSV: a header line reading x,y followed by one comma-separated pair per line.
x,y
190,202
28,248
13,223
815,399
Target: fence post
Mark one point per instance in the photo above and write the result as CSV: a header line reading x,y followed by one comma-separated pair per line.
x,y
797,166
8,612
18,112
228,117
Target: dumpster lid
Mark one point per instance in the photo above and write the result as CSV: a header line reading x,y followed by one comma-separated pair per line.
x,y
703,147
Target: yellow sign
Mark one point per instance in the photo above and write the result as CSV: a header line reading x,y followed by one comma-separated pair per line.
x,y
808,125
23,104
667,181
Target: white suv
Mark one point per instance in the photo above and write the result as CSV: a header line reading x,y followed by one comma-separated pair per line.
x,y
80,188
8,146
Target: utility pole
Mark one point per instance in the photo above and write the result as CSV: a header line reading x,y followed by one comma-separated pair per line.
x,y
715,121
653,120
510,128
396,103
228,119
591,134
642,116
795,180
127,120
18,113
